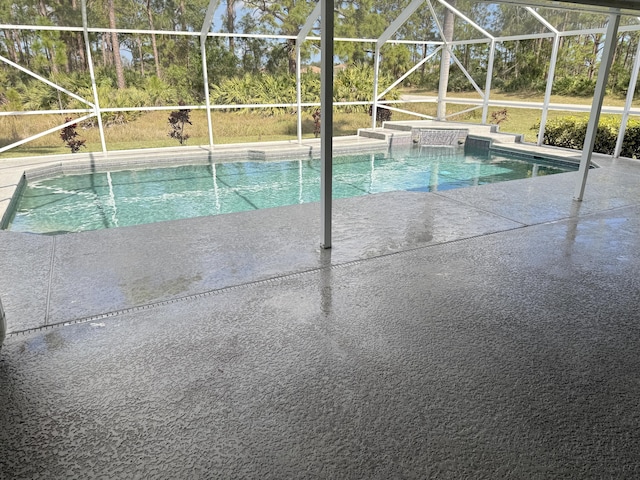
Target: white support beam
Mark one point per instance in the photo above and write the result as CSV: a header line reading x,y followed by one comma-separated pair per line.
x,y
386,35
92,75
302,35
326,125
467,74
42,134
483,94
532,36
308,25
208,18
461,112
442,90
551,72
398,22
409,112
376,79
596,107
467,19
44,80
487,86
413,69
46,112
205,78
549,88
206,26
298,92
627,105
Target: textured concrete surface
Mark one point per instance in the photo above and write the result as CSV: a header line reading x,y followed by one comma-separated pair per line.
x,y
89,273
460,334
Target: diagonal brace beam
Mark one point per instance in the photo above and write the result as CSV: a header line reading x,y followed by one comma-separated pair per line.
x,y
208,18
398,22
44,80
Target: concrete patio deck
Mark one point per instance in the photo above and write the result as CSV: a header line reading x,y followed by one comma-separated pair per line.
x,y
487,332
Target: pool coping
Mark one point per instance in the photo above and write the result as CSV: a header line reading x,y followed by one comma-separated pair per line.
x,y
15,172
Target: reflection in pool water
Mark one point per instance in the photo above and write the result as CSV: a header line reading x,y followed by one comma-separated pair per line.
x,y
131,197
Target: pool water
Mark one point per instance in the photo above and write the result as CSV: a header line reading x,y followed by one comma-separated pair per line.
x,y
75,203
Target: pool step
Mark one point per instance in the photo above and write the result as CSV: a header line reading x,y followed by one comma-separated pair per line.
x,y
479,130
389,135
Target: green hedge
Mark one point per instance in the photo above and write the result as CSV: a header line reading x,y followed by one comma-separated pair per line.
x,y
569,132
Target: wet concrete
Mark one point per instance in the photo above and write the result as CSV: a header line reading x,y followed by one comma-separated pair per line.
x,y
446,335
90,273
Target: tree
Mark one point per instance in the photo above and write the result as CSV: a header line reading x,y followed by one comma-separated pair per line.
x,y
154,44
286,17
230,22
115,46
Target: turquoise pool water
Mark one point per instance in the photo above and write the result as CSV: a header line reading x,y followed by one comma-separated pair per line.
x,y
120,198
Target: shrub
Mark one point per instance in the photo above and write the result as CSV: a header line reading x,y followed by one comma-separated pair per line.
x,y
177,119
382,114
317,117
499,116
570,132
580,86
68,135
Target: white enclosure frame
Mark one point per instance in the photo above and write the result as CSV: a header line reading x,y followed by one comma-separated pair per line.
x,y
93,108
324,10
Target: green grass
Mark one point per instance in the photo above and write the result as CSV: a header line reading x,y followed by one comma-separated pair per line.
x,y
150,130
610,99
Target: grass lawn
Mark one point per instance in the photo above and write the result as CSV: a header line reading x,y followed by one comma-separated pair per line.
x,y
151,129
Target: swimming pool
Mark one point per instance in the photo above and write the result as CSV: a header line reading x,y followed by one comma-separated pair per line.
x,y
94,201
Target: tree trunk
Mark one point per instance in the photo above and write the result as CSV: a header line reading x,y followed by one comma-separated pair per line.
x,y
76,59
596,47
105,47
140,54
154,45
42,8
291,53
81,54
231,20
115,46
11,46
445,59
52,59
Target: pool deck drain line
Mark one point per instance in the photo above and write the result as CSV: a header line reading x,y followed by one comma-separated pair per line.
x,y
221,290
51,264
216,291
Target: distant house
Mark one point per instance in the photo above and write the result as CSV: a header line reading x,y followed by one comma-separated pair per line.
x,y
317,70
310,68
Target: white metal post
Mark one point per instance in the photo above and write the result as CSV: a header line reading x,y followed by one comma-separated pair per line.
x,y
298,92
374,105
302,35
94,87
549,88
627,104
206,25
205,77
550,74
386,35
596,106
487,88
326,126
